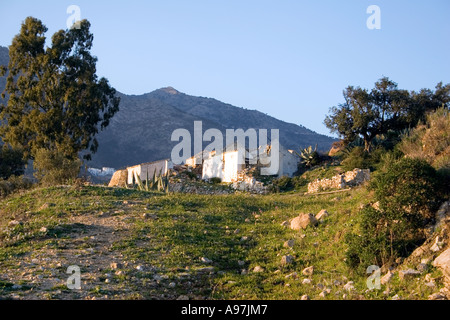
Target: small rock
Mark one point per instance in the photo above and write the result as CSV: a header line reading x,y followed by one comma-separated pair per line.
x,y
285,260
320,286
308,271
430,284
376,205
16,287
336,283
437,245
289,243
305,297
437,296
422,267
349,286
292,275
206,269
409,273
205,260
258,269
244,272
107,280
322,215
387,278
43,230
183,297
306,281
14,223
116,265
241,263
157,277
322,294
244,238
35,261
140,268
172,285
396,297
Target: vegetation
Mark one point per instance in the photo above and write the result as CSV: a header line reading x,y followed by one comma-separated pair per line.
x,y
431,140
11,162
236,232
55,100
408,192
385,108
309,157
156,183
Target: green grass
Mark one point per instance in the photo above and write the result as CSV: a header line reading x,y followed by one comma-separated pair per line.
x,y
188,227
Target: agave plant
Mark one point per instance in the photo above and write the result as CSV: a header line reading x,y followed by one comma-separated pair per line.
x,y
156,183
309,156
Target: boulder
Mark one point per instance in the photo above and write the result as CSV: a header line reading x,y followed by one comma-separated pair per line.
x,y
119,179
303,221
443,262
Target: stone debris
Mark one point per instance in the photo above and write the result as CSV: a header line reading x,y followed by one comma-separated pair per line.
x,y
340,181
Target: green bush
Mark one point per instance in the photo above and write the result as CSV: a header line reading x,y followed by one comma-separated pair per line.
x,y
411,187
215,180
409,191
53,168
12,184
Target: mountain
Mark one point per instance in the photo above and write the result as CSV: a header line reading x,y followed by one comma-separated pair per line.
x,y
141,131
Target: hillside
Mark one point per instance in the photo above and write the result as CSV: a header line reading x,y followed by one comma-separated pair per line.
x,y
141,131
137,245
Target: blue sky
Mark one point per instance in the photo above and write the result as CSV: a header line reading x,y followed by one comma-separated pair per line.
x,y
289,59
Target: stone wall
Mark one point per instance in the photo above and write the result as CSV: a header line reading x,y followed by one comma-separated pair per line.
x,y
340,181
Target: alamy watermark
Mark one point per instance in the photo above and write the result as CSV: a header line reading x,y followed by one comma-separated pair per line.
x,y
74,280
269,157
374,20
374,280
74,20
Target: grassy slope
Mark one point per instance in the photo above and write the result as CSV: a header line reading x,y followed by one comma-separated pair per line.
x,y
95,226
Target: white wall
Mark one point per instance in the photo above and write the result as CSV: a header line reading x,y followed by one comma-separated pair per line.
x,y
213,168
149,168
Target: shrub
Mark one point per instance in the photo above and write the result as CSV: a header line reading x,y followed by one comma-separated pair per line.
x,y
215,180
53,167
409,186
11,162
13,184
408,191
430,141
356,158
